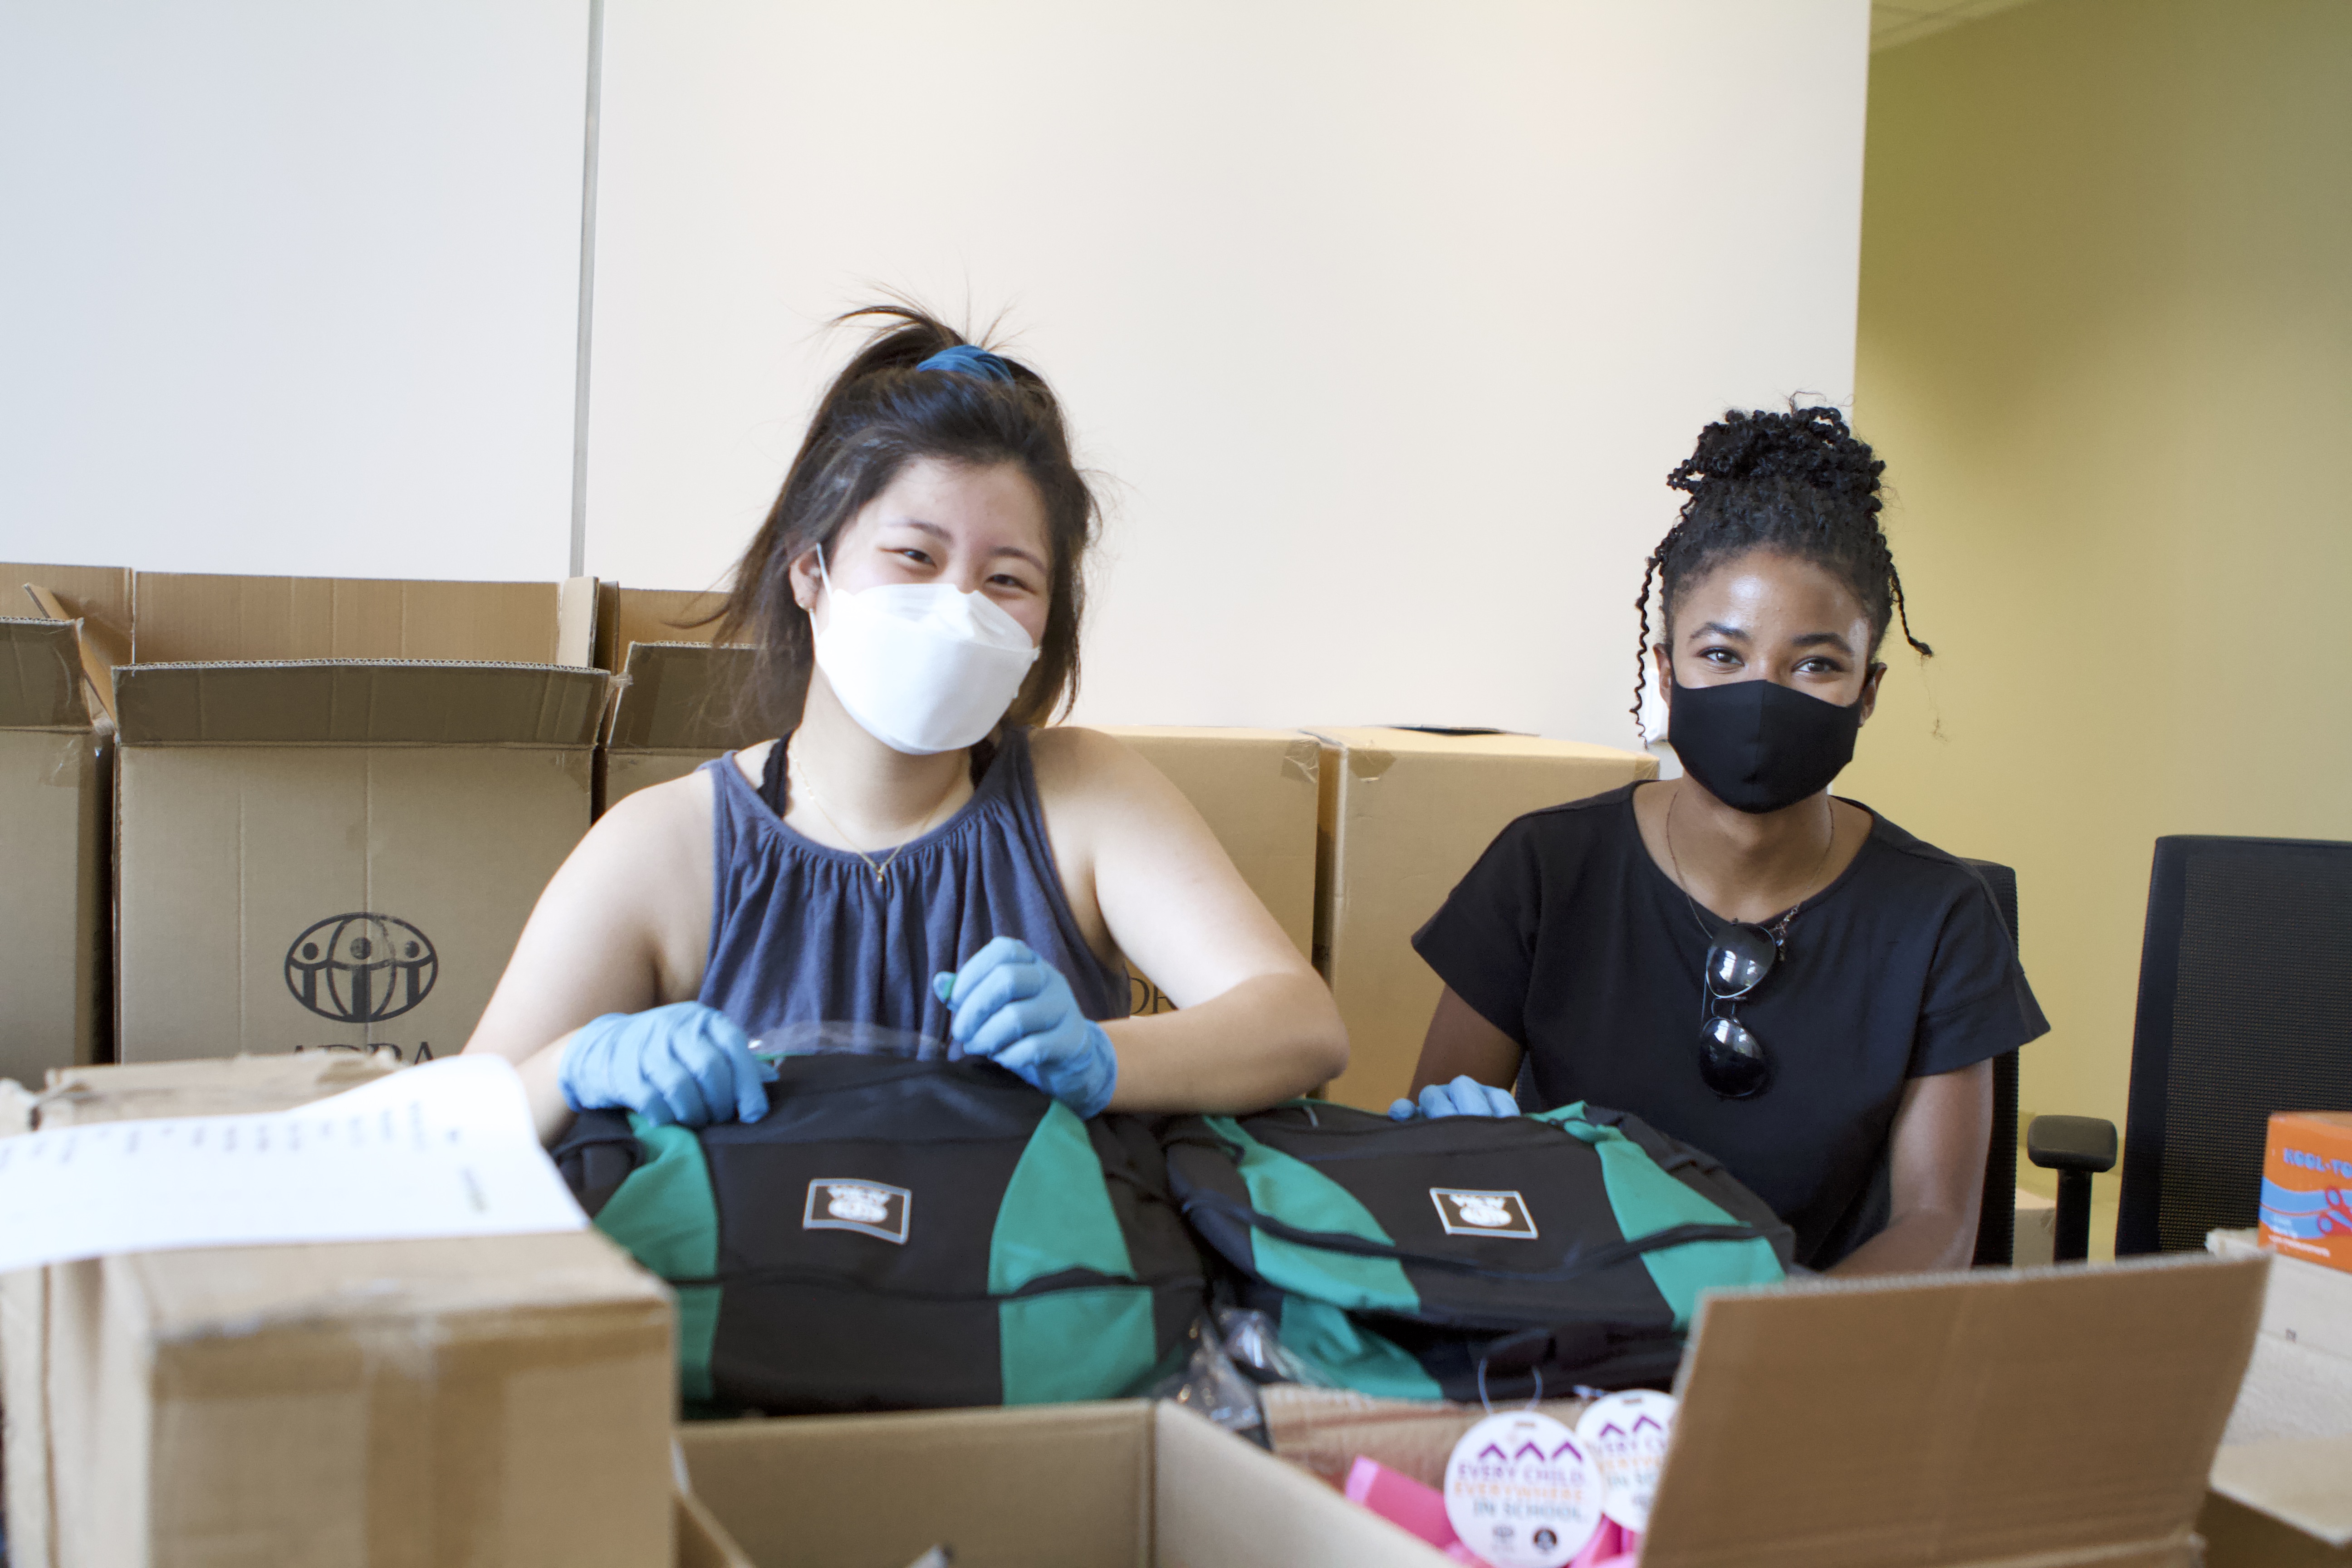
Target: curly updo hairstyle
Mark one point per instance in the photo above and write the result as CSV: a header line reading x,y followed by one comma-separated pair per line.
x,y
879,414
1797,481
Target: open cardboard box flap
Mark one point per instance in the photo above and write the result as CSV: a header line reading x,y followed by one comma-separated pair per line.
x,y
97,597
354,702
680,697
2035,1416
182,617
41,676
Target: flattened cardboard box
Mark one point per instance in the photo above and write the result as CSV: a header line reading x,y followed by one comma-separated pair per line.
x,y
54,778
1404,815
1257,790
1127,1485
494,1400
334,853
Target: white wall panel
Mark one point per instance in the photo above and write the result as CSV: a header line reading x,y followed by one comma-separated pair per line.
x,y
1386,319
290,287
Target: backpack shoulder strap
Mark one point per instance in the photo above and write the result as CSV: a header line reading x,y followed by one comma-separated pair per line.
x,y
596,1156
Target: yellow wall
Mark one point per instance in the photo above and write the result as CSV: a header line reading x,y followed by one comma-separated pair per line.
x,y
2105,347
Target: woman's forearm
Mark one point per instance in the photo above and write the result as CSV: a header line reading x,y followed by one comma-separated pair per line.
x,y
1918,1243
1263,1042
548,1111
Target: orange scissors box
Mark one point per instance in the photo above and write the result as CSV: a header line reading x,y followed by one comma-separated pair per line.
x,y
2306,1207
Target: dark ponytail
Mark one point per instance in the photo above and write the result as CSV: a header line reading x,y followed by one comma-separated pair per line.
x,y
880,414
1799,482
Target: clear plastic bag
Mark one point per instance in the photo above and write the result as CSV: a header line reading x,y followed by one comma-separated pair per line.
x,y
1210,1384
841,1037
1256,1350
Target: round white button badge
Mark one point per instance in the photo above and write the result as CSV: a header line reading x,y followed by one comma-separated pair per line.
x,y
1521,1491
1626,1434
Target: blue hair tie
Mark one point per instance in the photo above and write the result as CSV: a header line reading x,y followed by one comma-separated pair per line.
x,y
966,360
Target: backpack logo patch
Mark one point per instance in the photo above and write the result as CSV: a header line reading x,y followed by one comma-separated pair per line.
x,y
868,1207
1467,1213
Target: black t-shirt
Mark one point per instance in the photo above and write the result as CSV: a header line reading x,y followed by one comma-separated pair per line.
x,y
1570,939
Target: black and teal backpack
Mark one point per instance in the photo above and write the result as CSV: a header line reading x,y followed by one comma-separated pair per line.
x,y
1414,1260
899,1233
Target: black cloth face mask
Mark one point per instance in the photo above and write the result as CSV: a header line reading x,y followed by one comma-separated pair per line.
x,y
1758,746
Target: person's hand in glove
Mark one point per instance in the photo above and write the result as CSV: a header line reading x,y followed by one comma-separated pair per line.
x,y
685,1063
1465,1096
1015,1008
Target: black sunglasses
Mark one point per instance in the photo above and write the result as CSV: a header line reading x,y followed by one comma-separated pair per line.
x,y
1731,1060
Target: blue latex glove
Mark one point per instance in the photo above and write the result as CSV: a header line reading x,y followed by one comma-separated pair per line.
x,y
685,1063
1465,1096
1015,1008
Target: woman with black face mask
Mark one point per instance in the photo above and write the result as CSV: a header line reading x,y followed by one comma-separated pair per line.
x,y
1781,977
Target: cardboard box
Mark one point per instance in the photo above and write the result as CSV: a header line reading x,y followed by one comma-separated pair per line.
x,y
627,616
1256,790
97,597
2306,1205
674,708
200,618
323,839
1404,815
2282,1504
53,809
1127,1485
492,1401
1990,1416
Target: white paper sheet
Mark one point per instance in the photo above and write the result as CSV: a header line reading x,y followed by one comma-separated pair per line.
x,y
443,1149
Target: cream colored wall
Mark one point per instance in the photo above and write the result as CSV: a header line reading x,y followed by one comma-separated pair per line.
x,y
2105,347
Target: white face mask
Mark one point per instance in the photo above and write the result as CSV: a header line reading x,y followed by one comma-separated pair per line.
x,y
922,667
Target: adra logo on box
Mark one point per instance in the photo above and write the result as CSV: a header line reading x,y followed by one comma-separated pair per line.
x,y
361,968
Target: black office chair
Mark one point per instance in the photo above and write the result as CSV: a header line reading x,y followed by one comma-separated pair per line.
x,y
2245,1008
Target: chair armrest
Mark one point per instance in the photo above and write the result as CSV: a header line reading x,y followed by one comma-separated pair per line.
x,y
2071,1143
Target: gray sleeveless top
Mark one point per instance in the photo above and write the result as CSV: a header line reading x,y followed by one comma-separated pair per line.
x,y
804,933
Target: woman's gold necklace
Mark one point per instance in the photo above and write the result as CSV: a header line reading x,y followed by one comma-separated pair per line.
x,y
881,867
1779,929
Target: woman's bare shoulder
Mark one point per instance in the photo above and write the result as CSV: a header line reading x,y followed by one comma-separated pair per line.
x,y
659,820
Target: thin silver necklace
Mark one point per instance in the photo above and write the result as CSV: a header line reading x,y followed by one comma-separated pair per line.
x,y
880,868
1780,928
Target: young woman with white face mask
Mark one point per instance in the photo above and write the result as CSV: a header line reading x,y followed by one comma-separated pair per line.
x,y
912,853
1779,976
